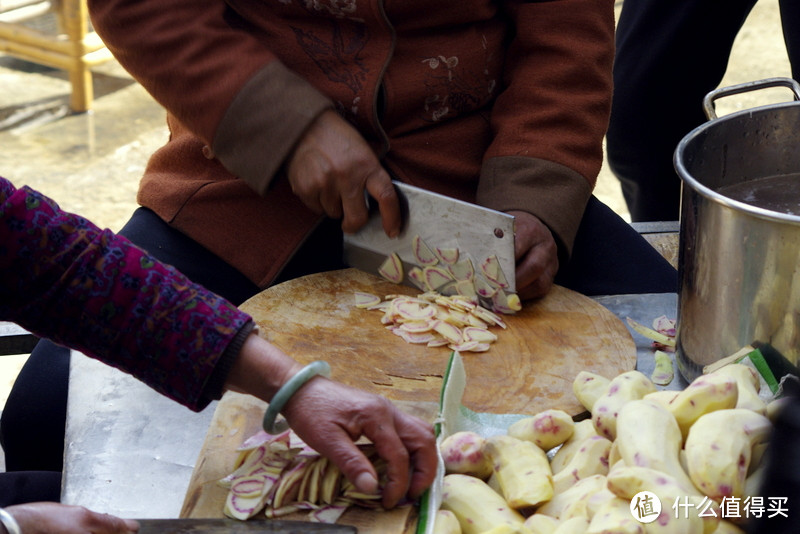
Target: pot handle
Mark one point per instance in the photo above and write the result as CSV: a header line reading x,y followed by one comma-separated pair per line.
x,y
708,101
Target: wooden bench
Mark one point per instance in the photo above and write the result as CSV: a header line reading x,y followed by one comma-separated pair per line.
x,y
72,46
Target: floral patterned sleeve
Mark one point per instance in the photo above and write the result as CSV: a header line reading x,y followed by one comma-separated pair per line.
x,y
63,278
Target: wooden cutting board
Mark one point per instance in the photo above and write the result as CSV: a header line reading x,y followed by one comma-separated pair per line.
x,y
529,369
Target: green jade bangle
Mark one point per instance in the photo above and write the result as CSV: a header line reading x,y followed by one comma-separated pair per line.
x,y
287,390
9,523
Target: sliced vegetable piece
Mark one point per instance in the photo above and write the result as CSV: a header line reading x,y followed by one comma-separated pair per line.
x,y
392,269
414,309
423,253
436,277
462,270
416,338
447,255
461,302
663,373
505,303
483,288
466,288
417,277
366,300
482,335
456,318
494,273
438,342
649,333
488,316
448,331
331,484
474,321
328,514
309,487
664,325
416,327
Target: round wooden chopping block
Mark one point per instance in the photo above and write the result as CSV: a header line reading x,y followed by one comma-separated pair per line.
x,y
529,368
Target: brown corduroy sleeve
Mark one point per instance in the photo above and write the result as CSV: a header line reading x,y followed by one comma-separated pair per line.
x,y
550,118
554,193
264,122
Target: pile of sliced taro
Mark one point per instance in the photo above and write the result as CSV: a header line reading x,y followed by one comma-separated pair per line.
x,y
446,272
436,320
459,303
279,475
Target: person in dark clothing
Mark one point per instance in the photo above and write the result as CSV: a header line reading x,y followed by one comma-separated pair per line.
x,y
669,55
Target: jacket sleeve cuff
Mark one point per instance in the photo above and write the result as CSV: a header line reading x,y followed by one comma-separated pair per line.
x,y
216,382
552,192
264,122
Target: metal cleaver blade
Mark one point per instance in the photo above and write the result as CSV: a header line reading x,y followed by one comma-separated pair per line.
x,y
442,222
231,526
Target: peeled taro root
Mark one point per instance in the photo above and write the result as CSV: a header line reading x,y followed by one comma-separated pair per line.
x,y
463,453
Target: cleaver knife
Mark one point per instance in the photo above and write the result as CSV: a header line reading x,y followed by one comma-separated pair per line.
x,y
231,526
440,221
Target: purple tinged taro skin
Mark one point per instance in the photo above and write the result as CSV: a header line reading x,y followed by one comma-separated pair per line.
x,y
547,429
705,394
463,452
627,481
626,387
588,387
582,430
591,459
719,449
649,436
747,384
522,471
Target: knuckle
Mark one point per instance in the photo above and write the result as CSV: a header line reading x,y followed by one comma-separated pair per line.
x,y
355,221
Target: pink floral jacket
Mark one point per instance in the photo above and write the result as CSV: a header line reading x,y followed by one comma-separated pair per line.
x,y
63,278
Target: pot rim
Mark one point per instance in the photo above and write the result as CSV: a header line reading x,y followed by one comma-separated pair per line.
x,y
687,178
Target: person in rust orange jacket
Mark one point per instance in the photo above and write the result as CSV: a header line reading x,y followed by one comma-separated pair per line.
x,y
283,113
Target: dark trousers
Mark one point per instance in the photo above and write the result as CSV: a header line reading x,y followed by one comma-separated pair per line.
x,y
609,258
670,55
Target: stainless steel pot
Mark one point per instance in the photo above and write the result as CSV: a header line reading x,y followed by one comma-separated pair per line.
x,y
739,264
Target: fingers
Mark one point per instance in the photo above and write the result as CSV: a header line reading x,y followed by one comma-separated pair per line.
x,y
351,462
534,280
408,446
332,167
330,417
420,442
389,447
537,256
380,187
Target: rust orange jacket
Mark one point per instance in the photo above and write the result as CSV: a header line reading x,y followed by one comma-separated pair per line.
x,y
503,103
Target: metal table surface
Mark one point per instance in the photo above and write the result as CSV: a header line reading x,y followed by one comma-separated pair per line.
x,y
130,451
